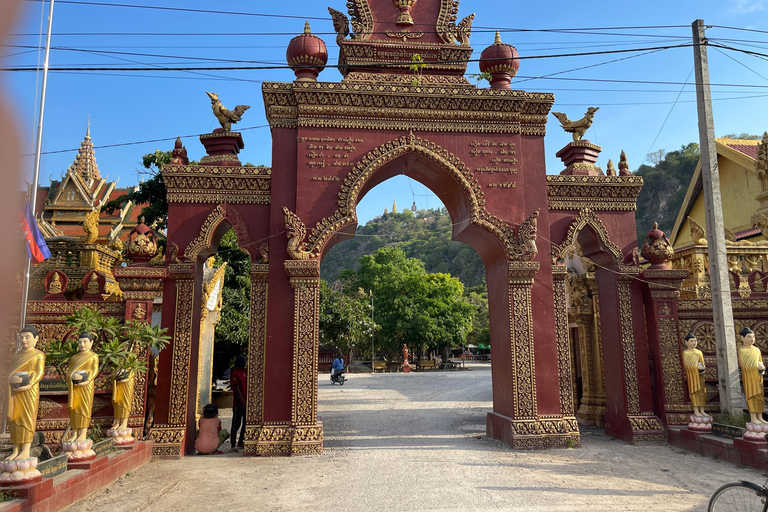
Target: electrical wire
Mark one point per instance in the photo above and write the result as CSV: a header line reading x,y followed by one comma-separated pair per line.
x,y
647,153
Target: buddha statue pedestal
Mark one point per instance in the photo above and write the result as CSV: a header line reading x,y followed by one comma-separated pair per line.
x,y
19,471
756,431
700,423
123,437
78,451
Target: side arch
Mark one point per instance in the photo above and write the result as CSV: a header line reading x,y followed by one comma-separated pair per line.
x,y
586,217
223,212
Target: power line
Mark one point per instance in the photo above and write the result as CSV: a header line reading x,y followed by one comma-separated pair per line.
x,y
667,118
740,63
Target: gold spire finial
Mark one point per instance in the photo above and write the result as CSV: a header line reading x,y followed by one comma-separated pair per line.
x,y
498,38
306,28
88,131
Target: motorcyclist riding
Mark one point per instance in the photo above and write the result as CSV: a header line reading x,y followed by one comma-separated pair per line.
x,y
337,367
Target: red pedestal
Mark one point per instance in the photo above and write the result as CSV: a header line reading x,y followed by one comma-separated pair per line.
x,y
222,148
579,158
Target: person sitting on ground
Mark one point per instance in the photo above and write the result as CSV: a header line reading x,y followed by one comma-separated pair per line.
x,y
337,367
210,435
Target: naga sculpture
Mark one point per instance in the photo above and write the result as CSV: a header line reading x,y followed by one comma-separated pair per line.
x,y
577,128
698,235
296,232
523,246
225,116
340,24
91,226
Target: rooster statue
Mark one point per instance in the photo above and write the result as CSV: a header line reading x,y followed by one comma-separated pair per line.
x,y
225,116
577,128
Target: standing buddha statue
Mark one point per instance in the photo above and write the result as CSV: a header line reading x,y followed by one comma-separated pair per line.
x,y
752,370
81,376
693,359
27,369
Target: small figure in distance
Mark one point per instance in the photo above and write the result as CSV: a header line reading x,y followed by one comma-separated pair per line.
x,y
239,384
337,366
752,370
210,435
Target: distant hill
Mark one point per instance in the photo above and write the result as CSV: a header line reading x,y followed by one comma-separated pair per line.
x,y
664,188
425,234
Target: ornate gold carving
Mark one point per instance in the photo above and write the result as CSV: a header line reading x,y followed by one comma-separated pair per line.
x,y
559,275
543,432
577,128
91,226
586,217
404,35
362,19
698,235
182,350
217,184
672,371
521,337
306,324
628,347
254,410
219,214
612,193
645,423
296,232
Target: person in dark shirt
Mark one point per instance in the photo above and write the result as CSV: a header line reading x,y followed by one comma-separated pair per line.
x,y
338,365
239,384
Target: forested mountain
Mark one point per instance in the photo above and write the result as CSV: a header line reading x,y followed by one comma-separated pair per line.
x,y
425,234
664,188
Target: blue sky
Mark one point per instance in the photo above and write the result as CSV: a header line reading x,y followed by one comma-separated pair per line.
x,y
128,107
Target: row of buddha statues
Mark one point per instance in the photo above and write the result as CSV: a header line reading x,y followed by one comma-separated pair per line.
x,y
752,372
27,370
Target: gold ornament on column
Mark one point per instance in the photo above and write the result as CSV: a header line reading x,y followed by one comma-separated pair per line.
x,y
404,18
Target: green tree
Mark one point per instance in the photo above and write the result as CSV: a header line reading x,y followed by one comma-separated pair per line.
x,y
425,311
150,192
345,319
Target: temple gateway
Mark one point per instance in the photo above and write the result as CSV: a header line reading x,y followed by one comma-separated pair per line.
x,y
581,332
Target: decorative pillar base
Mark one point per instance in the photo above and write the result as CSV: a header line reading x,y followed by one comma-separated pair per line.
x,y
579,158
529,434
78,451
123,438
647,430
283,440
222,148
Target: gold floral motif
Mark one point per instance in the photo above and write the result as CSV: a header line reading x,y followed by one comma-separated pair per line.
x,y
218,184
306,318
628,347
182,349
219,214
521,337
254,412
672,371
612,193
559,275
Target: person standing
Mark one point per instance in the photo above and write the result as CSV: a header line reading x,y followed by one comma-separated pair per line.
x,y
239,384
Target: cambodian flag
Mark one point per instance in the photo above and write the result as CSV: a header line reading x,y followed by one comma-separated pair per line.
x,y
36,248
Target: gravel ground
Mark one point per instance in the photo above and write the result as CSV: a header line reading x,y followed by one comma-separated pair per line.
x,y
417,442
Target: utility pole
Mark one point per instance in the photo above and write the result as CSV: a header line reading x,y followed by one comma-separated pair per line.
x,y
731,398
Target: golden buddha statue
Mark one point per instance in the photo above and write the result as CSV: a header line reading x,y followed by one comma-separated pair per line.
x,y
54,286
81,376
139,313
93,285
693,359
752,370
27,369
122,399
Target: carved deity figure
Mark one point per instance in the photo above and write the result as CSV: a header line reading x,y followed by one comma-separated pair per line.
x,y
179,154
139,313
81,376
405,353
752,370
93,285
693,359
54,286
27,369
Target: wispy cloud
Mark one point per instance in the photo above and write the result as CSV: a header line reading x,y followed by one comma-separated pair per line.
x,y
748,6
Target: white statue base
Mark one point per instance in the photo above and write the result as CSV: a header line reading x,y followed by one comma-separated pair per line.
x,y
19,471
700,423
756,431
78,451
122,437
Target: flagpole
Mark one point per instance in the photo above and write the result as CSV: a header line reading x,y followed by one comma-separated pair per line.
x,y
38,154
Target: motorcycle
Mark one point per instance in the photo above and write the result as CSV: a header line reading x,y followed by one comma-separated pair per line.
x,y
339,377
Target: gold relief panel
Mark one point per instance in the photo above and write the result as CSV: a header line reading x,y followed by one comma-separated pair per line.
x,y
305,336
257,348
167,434
612,193
522,348
166,450
628,347
559,275
586,217
182,351
672,371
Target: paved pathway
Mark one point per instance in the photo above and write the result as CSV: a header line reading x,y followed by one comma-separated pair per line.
x,y
417,442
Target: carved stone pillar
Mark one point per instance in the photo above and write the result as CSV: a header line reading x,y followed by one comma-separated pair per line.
x,y
665,345
307,431
559,276
523,427
171,429
254,412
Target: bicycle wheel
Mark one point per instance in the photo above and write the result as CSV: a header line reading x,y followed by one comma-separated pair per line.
x,y
738,497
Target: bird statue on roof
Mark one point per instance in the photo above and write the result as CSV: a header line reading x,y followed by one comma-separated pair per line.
x,y
577,128
225,116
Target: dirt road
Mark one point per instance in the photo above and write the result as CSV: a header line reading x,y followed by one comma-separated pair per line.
x,y
417,442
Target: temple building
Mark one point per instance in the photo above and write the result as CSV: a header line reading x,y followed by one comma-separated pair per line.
x,y
63,205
